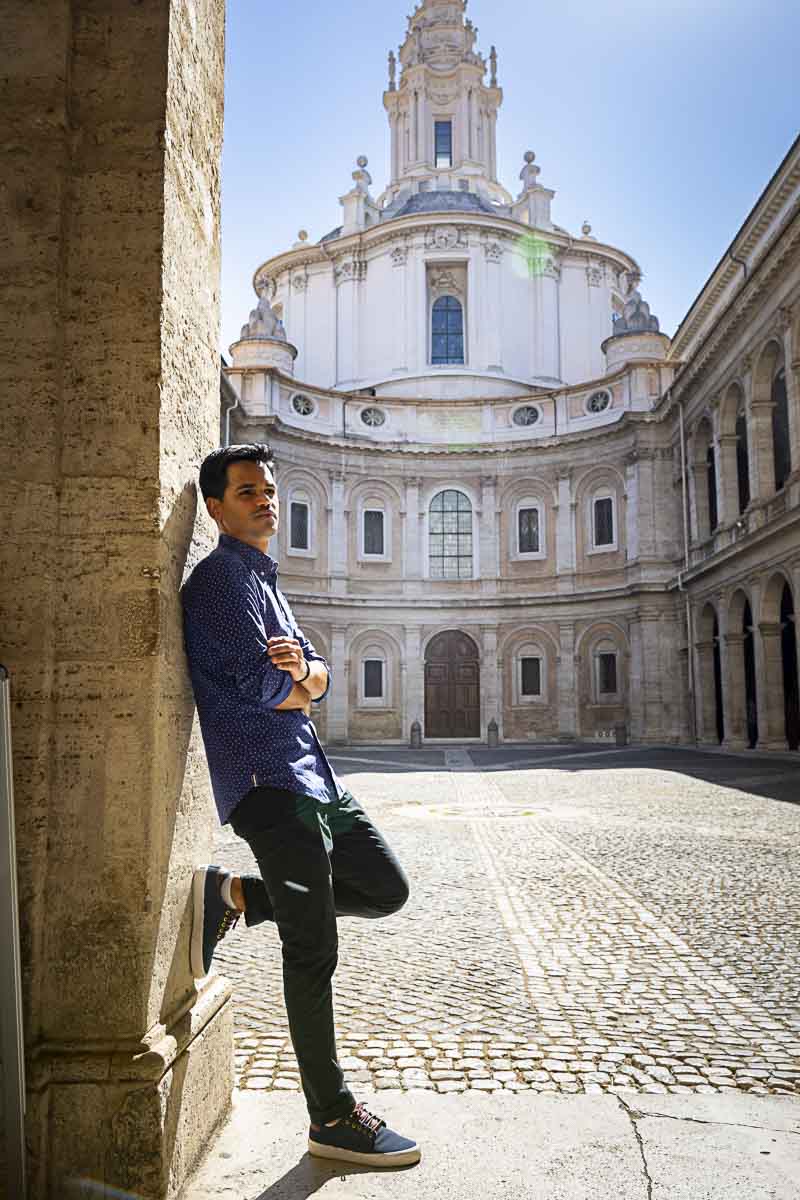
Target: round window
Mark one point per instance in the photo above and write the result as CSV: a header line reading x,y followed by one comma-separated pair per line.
x,y
598,402
373,417
526,415
303,405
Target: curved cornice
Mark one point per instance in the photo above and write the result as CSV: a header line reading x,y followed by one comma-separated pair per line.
x,y
504,228
627,424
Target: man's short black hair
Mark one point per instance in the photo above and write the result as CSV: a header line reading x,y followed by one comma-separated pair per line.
x,y
214,471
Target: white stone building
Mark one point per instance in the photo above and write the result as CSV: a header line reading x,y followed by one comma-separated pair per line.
x,y
508,499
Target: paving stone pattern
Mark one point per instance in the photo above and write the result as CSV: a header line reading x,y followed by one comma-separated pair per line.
x,y
618,929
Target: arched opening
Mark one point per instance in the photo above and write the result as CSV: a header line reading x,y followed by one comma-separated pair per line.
x,y
718,705
452,686
447,331
791,690
750,695
711,463
742,460
781,448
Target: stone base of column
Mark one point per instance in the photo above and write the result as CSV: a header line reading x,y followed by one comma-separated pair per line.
x,y
134,1117
734,743
774,744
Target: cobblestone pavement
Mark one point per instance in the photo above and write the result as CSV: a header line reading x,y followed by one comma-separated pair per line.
x,y
581,920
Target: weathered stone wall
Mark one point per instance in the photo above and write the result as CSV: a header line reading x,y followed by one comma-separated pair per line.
x,y
111,121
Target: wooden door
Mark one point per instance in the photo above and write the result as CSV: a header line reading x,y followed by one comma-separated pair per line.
x,y
452,687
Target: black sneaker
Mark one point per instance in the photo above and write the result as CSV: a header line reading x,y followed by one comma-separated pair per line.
x,y
363,1138
211,918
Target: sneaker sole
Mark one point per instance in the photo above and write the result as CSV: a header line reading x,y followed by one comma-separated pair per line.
x,y
400,1158
198,905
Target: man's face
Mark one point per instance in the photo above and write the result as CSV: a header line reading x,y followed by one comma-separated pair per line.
x,y
249,508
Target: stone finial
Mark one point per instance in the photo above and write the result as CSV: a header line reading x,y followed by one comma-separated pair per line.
x,y
530,172
302,235
392,71
361,175
586,229
263,323
493,65
636,317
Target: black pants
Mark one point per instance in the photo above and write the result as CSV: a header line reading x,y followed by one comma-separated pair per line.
x,y
317,862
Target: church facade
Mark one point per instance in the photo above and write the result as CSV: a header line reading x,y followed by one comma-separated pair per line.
x,y
513,509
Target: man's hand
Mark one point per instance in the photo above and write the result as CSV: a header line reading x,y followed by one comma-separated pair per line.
x,y
285,653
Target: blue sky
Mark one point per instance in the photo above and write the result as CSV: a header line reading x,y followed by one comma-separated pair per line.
x,y
660,123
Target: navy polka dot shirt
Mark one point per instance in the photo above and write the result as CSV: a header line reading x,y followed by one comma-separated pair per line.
x,y
231,605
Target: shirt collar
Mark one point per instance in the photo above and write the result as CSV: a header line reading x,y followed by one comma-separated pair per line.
x,y
252,556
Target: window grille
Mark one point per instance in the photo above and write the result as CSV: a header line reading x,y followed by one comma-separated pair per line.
x,y
607,674
447,331
450,536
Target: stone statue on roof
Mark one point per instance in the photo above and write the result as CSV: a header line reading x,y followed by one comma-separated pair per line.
x,y
263,323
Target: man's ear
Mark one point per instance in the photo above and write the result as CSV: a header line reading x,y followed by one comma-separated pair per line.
x,y
213,505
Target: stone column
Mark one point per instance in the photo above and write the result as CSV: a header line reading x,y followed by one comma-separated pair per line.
x,y
414,706
705,691
734,691
702,520
337,536
759,437
338,701
636,674
565,531
727,479
492,323
488,535
490,694
412,536
772,710
567,675
791,352
112,224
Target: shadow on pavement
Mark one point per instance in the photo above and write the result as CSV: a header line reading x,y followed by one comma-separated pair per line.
x,y
772,778
310,1174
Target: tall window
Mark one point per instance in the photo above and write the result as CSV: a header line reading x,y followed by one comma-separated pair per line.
x,y
450,534
373,531
299,525
531,680
780,430
711,463
443,138
373,679
607,674
742,462
447,331
604,521
528,531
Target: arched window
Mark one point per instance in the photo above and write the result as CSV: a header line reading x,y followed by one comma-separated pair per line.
x,y
742,460
780,431
447,331
450,536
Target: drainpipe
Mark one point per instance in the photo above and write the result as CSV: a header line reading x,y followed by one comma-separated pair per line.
x,y
686,565
228,421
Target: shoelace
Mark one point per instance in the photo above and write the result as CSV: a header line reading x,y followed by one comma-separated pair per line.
x,y
362,1118
229,919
